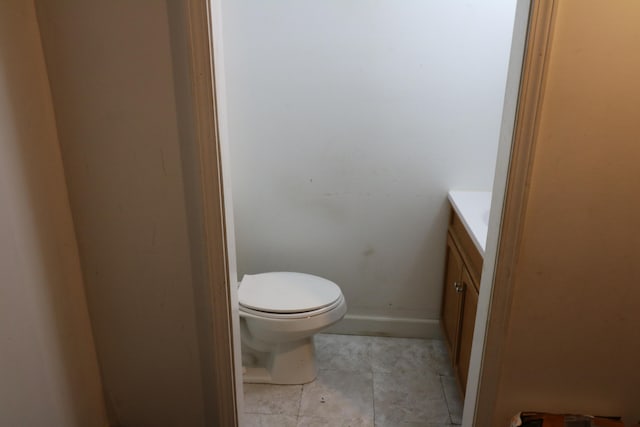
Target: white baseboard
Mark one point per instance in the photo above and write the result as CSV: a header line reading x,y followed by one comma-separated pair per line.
x,y
387,327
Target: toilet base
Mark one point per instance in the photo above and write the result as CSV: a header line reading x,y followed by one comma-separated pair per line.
x,y
287,364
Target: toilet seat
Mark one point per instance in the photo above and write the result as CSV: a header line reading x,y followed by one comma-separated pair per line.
x,y
287,295
300,315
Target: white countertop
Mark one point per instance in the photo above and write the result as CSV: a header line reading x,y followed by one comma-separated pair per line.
x,y
473,208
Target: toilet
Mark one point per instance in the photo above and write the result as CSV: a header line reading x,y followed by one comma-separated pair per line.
x,y
279,314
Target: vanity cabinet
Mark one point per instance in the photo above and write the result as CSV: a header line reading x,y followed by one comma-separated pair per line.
x,y
460,296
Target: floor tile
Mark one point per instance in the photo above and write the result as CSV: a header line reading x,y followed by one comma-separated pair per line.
x,y
332,422
409,397
405,355
267,420
339,395
454,400
409,382
343,352
410,424
272,399
439,357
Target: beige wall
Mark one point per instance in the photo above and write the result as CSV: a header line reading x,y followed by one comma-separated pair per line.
x,y
48,368
112,79
573,337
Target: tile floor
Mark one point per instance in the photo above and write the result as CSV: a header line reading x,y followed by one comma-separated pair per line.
x,y
364,381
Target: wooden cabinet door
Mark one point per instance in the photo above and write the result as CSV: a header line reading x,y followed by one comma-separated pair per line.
x,y
467,324
451,299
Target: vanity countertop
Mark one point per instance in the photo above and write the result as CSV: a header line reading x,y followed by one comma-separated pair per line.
x,y
473,209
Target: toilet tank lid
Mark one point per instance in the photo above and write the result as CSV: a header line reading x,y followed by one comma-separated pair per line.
x,y
286,292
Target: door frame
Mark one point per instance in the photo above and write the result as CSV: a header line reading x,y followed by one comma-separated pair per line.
x,y
223,385
532,34
530,49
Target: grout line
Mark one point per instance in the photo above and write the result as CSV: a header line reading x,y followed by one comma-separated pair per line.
x,y
300,402
373,379
444,393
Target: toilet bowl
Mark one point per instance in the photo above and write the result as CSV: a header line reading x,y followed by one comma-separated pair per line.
x,y
279,314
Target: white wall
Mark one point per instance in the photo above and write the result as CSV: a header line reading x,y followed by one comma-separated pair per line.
x,y
48,367
348,123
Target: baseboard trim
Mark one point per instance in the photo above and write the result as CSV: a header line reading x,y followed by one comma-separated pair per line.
x,y
387,326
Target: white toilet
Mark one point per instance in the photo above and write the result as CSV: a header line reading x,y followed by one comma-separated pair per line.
x,y
279,314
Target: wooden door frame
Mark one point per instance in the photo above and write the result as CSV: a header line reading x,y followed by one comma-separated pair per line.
x,y
223,391
502,253
497,283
